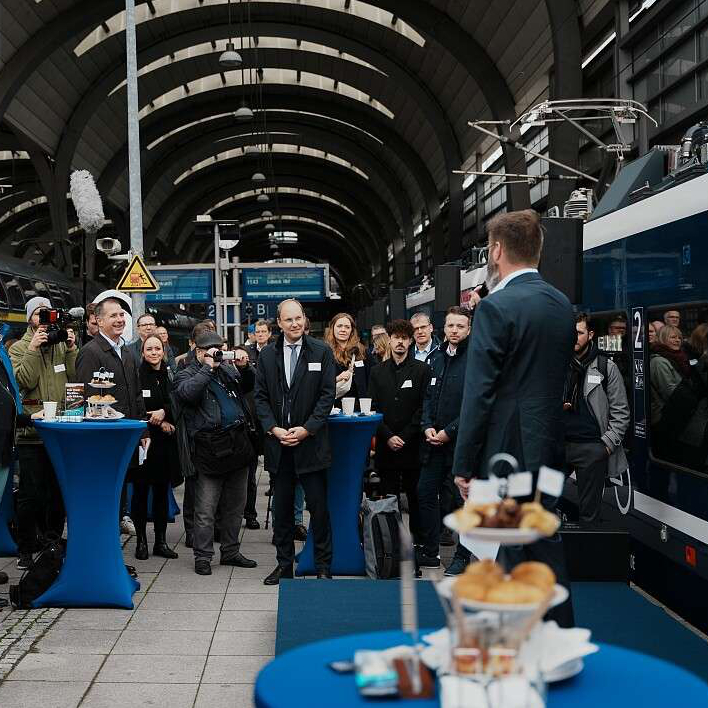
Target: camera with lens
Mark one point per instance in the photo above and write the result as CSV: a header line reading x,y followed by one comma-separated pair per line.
x,y
221,355
56,322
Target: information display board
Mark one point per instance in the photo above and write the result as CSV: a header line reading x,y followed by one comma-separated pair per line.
x,y
182,285
275,284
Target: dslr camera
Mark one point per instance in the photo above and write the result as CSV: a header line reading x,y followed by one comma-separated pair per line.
x,y
56,322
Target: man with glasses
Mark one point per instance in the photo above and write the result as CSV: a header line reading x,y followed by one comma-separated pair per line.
x,y
146,328
424,344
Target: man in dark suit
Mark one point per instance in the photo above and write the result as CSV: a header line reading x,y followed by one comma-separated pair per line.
x,y
397,387
262,333
294,395
524,333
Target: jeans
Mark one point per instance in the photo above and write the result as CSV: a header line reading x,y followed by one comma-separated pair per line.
x,y
227,494
188,505
39,502
314,485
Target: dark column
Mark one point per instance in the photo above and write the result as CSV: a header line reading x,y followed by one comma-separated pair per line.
x,y
454,217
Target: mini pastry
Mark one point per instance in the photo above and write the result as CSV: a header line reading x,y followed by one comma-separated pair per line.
x,y
542,521
470,588
512,592
533,573
486,572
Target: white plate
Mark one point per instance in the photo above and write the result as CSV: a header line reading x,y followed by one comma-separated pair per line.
x,y
564,671
444,587
115,415
507,537
102,385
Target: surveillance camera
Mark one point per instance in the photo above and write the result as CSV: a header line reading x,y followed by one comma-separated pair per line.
x,y
109,246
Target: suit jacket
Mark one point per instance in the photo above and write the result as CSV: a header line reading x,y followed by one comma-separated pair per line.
x,y
520,350
401,407
310,396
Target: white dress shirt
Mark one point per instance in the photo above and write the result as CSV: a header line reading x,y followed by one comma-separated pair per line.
x,y
505,281
117,347
287,352
422,354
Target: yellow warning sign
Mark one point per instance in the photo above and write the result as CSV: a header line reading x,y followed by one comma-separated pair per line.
x,y
137,278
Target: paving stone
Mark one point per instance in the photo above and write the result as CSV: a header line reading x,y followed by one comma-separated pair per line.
x,y
233,669
140,695
167,669
182,601
134,642
214,695
95,619
185,620
243,643
251,601
49,694
57,667
77,641
244,621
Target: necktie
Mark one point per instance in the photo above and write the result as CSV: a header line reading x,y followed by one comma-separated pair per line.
x,y
293,362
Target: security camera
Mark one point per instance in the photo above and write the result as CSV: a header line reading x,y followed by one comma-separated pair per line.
x,y
109,246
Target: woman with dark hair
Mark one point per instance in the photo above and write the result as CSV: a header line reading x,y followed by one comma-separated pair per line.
x,y
349,356
161,464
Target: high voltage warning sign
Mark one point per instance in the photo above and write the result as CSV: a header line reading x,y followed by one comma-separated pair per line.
x,y
137,278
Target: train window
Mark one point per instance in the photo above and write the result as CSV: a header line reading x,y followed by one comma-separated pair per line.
x,y
612,337
55,296
27,288
69,299
678,373
14,292
4,303
41,288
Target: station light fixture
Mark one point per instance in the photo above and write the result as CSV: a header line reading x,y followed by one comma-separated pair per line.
x,y
230,59
263,198
270,227
258,177
243,113
266,214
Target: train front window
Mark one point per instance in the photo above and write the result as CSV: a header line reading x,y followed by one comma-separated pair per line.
x,y
4,303
27,288
678,372
14,292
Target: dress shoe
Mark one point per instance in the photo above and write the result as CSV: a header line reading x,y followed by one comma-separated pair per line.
x,y
202,566
163,550
425,561
252,524
24,561
141,545
300,533
282,571
239,560
324,575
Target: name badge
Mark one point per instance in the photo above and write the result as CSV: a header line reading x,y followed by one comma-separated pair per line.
x,y
59,368
407,384
147,393
432,381
359,363
314,366
692,362
594,379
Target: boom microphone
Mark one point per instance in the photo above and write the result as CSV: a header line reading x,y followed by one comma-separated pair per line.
x,y
87,201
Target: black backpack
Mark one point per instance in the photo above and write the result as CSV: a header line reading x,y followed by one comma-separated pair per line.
x,y
387,546
37,579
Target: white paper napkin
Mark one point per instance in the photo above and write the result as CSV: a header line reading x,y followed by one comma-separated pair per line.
x,y
509,692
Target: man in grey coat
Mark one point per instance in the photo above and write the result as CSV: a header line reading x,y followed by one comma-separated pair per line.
x,y
596,416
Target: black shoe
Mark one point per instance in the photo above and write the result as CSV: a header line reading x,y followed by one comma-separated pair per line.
x,y
428,561
162,550
202,566
269,492
446,538
24,561
188,540
252,524
324,575
3,578
457,566
282,571
300,533
239,560
141,545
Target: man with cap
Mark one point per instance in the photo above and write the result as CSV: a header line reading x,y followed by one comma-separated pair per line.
x,y
214,432
42,367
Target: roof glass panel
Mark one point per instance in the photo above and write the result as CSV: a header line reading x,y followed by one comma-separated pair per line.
x,y
281,190
292,217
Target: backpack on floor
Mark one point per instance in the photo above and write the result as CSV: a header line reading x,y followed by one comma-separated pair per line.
x,y
382,546
39,576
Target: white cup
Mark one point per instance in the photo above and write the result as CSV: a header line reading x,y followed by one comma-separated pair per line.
x,y
365,405
50,410
348,406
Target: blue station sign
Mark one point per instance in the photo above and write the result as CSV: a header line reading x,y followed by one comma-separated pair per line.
x,y
183,285
275,284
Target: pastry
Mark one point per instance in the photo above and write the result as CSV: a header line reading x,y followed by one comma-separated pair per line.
x,y
513,592
485,571
101,399
509,513
533,573
470,588
542,521
467,519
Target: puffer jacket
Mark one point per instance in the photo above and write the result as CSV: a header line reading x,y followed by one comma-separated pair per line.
x,y
42,375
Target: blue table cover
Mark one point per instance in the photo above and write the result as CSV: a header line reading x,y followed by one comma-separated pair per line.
x,y
90,460
7,546
612,678
350,441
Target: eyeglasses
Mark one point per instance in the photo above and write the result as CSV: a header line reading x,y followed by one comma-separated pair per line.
x,y
420,328
146,324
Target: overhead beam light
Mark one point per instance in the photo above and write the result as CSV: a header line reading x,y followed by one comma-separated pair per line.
x,y
230,58
263,198
243,113
258,177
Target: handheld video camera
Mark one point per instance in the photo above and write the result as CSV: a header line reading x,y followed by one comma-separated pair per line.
x,y
56,322
220,355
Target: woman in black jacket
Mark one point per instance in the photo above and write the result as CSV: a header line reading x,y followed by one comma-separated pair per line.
x,y
162,463
350,358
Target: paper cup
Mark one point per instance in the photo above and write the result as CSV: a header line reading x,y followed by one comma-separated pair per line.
x,y
348,406
365,405
50,410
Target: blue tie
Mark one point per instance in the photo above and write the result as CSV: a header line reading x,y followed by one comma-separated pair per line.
x,y
293,362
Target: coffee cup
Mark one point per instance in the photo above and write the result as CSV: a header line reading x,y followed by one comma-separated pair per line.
x,y
50,410
348,406
365,405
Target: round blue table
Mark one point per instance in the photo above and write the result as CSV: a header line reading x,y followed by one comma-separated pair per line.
x,y
612,678
350,442
90,460
7,546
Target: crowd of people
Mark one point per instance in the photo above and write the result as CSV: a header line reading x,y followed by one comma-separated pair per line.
x,y
519,372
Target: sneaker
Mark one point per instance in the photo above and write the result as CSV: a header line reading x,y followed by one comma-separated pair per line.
x,y
456,567
127,526
24,561
428,561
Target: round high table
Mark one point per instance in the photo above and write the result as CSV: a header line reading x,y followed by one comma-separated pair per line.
x,y
350,442
90,460
612,678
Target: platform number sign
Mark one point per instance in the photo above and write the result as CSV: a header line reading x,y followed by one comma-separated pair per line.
x,y
638,339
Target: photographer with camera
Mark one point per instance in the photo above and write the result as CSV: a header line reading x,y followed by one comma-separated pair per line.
x,y
43,362
214,432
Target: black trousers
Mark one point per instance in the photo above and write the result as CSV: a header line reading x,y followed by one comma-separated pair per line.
x,y
589,460
251,491
315,486
40,505
188,505
139,504
435,479
406,481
